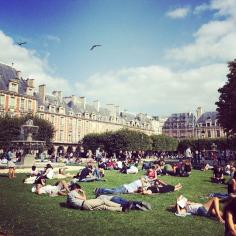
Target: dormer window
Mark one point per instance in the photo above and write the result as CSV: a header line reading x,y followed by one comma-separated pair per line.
x,y
61,110
53,109
79,114
13,87
29,91
86,115
41,108
71,113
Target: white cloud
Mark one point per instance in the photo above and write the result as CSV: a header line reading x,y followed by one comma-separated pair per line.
x,y
29,64
214,41
181,12
201,8
157,89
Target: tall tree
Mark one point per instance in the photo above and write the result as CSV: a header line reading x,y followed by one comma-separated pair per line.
x,y
226,106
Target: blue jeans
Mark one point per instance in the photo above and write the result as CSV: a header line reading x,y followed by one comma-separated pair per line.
x,y
219,195
96,173
106,191
119,200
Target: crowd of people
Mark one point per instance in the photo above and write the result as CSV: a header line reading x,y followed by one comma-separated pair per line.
x,y
128,163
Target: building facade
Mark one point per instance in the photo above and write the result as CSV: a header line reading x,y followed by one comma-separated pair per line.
x,y
16,94
207,125
180,125
72,117
186,125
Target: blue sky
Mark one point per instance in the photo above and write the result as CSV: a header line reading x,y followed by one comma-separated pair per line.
x,y
154,54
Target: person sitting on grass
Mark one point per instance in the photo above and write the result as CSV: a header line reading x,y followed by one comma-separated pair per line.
x,y
77,199
230,218
60,188
232,185
88,174
34,171
32,176
231,191
137,186
210,208
48,173
218,175
132,205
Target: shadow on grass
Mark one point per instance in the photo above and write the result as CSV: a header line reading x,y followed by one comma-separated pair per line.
x,y
3,175
63,205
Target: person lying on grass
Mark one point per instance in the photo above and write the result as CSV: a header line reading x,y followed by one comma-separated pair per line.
x,y
60,188
160,186
210,208
77,199
137,186
132,205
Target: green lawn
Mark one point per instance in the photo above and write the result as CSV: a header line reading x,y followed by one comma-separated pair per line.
x,y
25,213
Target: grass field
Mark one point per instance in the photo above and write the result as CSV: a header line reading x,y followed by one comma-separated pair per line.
x,y
25,213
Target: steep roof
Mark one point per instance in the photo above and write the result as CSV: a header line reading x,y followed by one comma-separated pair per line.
x,y
207,115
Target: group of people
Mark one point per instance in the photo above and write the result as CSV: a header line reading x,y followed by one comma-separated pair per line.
x,y
110,198
127,162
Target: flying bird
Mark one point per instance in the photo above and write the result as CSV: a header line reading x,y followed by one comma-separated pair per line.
x,y
94,46
21,43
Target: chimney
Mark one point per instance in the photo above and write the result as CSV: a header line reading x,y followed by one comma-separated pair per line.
x,y
74,99
30,83
59,95
96,105
82,101
42,90
199,112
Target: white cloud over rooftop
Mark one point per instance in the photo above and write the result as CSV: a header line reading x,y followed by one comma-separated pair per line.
x,y
155,89
30,64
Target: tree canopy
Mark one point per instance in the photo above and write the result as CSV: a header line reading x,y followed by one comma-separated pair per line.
x,y
163,143
129,140
226,106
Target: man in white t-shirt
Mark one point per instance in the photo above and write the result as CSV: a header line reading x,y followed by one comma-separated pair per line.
x,y
188,153
136,186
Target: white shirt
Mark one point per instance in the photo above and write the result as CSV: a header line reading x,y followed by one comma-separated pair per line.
x,y
188,152
133,187
192,208
50,173
49,189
